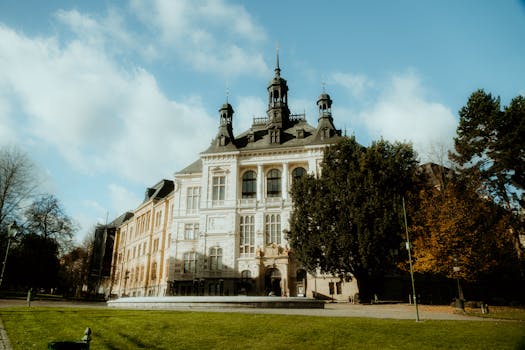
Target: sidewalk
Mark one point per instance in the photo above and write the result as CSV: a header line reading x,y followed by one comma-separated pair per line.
x,y
5,344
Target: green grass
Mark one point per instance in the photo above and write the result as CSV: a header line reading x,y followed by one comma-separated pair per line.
x,y
500,312
123,329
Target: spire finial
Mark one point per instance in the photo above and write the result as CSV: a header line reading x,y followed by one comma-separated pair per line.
x,y
323,83
277,68
227,91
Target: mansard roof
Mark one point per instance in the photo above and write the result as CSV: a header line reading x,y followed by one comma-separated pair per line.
x,y
160,190
195,167
298,133
121,219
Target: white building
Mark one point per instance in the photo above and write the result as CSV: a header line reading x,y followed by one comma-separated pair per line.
x,y
231,209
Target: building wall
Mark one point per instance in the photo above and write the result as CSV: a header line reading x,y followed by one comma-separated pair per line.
x,y
219,226
141,265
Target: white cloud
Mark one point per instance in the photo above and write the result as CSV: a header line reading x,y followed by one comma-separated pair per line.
x,y
206,34
247,108
109,33
403,112
122,199
99,116
356,84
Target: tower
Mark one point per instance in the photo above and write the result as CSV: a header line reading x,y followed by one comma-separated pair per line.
x,y
225,134
325,125
278,111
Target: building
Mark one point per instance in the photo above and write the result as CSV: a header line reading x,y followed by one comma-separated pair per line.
x,y
140,261
228,213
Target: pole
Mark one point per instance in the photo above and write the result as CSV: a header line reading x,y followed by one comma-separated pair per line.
x,y
5,259
410,262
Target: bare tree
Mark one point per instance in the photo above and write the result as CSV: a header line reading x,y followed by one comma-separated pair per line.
x,y
46,218
17,182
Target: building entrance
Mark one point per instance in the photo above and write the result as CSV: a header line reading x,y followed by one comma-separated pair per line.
x,y
272,282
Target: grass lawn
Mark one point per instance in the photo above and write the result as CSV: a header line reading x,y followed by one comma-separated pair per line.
x,y
123,329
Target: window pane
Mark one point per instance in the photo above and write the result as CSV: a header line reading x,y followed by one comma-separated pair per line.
x,y
273,183
298,173
249,180
218,190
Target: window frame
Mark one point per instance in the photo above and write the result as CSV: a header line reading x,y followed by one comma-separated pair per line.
x,y
272,228
249,185
247,235
218,188
273,183
215,259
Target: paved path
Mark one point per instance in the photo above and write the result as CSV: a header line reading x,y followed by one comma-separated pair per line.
x,y
391,311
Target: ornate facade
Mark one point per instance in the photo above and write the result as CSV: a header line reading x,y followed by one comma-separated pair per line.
x,y
227,218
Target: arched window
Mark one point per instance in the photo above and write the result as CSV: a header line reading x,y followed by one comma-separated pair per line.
x,y
273,183
297,173
215,258
249,184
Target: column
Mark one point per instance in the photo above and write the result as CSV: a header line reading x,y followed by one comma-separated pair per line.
x,y
284,189
260,177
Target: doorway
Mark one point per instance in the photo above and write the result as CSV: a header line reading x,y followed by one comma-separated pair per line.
x,y
272,282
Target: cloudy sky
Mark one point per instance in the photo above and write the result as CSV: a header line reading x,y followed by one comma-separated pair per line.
x,y
110,97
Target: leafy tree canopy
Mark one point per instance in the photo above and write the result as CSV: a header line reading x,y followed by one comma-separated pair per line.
x,y
490,144
454,222
349,220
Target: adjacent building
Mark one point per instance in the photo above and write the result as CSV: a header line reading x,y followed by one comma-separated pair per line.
x,y
220,226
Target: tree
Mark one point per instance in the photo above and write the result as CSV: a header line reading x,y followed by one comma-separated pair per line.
x,y
34,263
454,222
17,182
349,220
490,144
46,217
490,150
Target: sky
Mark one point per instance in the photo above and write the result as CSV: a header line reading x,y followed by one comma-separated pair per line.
x,y
109,97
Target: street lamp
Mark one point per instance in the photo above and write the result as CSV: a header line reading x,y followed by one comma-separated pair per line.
x,y
459,302
12,230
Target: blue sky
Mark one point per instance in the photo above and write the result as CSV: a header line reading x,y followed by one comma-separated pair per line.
x,y
110,97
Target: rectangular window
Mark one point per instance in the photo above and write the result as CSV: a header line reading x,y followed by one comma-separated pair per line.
x,y
191,230
331,287
154,271
338,288
190,262
218,188
192,199
247,235
155,245
158,218
273,228
215,259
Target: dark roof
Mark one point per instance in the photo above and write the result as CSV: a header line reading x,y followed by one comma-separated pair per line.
x,y
298,133
195,167
159,191
118,221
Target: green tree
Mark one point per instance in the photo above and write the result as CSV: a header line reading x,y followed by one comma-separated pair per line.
x,y
490,145
349,219
33,263
490,150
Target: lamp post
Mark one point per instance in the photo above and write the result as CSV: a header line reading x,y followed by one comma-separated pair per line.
x,y
408,246
12,230
459,301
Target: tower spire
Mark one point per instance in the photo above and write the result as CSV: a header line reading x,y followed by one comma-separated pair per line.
x,y
277,69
